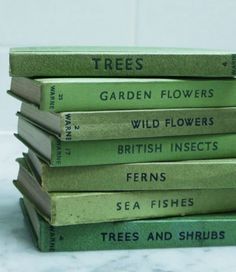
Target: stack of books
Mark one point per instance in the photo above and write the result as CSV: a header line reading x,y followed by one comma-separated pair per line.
x,y
128,147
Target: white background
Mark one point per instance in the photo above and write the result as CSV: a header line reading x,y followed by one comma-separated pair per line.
x,y
164,23
172,23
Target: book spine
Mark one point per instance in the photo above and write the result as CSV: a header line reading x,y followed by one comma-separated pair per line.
x,y
49,97
122,65
135,177
102,125
69,209
49,236
63,97
169,233
142,150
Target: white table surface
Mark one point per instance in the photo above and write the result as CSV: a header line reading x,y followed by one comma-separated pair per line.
x,y
17,252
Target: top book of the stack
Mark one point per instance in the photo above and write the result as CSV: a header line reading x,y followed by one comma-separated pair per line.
x,y
120,62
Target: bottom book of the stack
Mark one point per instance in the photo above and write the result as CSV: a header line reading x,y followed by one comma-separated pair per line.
x,y
188,231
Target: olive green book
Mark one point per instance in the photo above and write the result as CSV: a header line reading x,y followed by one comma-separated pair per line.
x,y
88,94
187,231
198,174
69,208
125,124
58,153
120,62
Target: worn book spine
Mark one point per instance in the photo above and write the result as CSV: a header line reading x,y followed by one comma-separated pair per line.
x,y
201,174
123,124
142,150
136,94
188,231
83,208
36,63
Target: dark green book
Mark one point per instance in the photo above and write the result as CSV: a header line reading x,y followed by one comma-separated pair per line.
x,y
120,62
88,94
197,174
130,124
188,231
58,153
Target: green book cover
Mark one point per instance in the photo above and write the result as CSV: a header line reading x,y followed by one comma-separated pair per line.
x,y
198,174
188,231
87,94
126,124
68,208
120,62
58,153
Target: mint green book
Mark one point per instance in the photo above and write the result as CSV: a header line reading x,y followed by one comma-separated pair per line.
x,y
126,124
88,94
57,153
198,174
187,231
120,62
69,208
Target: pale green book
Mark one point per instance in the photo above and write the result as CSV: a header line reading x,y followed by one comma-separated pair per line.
x,y
198,174
68,208
120,62
88,94
125,124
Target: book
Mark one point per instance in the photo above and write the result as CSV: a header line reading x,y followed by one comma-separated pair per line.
x,y
88,94
125,124
187,231
120,62
198,174
58,153
68,208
